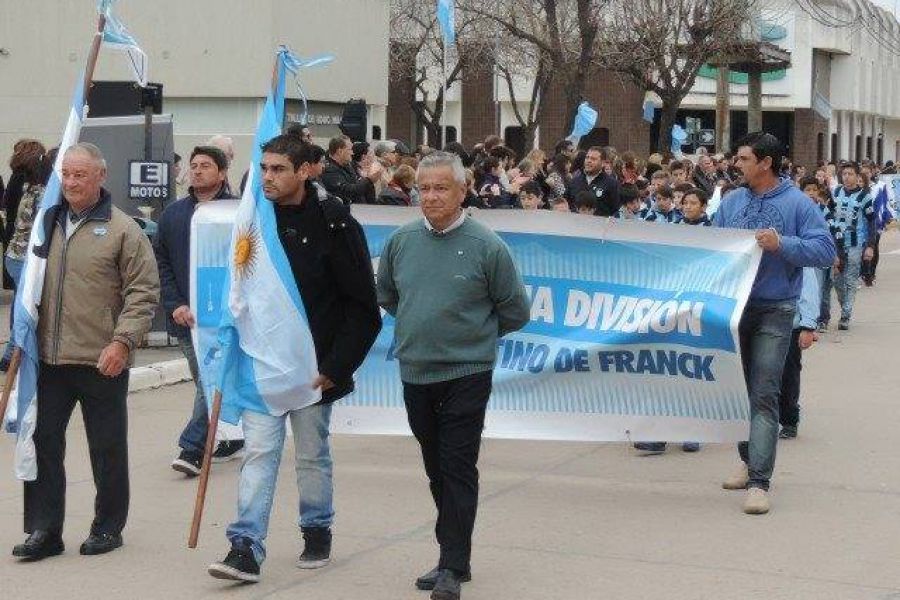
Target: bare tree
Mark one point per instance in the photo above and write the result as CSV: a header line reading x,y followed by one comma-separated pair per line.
x,y
560,36
660,45
417,47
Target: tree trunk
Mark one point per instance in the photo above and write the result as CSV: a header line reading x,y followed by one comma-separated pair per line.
x,y
667,116
528,132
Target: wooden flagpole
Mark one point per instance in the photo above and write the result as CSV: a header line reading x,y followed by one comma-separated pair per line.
x,y
16,359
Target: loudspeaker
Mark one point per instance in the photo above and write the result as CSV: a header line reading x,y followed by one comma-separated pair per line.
x,y
123,98
354,122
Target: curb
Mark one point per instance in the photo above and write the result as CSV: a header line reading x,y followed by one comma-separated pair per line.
x,y
157,375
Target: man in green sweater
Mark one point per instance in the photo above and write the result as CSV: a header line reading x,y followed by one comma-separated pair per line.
x,y
453,288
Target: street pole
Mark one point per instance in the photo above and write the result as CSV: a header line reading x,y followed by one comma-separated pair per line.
x,y
444,98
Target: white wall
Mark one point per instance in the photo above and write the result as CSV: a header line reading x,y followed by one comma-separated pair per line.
x,y
214,58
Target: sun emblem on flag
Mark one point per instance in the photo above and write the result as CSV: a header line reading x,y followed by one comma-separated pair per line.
x,y
246,250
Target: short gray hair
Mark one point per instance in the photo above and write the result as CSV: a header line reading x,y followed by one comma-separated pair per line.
x,y
385,147
89,149
437,160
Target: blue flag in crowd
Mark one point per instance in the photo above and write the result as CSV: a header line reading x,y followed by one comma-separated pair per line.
x,y
585,120
882,207
649,108
447,18
269,361
28,298
679,136
117,37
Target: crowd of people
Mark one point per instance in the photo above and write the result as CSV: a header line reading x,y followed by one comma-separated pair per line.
x,y
818,229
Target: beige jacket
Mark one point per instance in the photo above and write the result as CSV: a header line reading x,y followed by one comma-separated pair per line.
x,y
100,285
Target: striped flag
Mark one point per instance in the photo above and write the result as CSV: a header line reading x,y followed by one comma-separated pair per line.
x,y
268,357
23,399
446,16
117,37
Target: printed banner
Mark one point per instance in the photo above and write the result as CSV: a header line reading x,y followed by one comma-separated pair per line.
x,y
633,333
211,229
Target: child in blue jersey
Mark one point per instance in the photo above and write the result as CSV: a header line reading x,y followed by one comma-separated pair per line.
x,y
854,222
664,211
693,207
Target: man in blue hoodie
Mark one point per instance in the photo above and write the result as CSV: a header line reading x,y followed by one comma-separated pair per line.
x,y
792,234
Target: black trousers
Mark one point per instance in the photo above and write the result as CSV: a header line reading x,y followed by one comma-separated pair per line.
x,y
103,407
789,400
869,267
447,419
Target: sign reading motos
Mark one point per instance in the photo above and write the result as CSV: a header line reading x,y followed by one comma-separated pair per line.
x,y
148,180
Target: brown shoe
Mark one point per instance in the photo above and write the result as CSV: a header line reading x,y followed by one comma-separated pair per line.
x,y
738,481
757,501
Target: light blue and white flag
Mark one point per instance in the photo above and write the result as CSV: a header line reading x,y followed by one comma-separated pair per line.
x,y
649,107
28,297
585,120
679,137
117,37
294,64
446,16
268,357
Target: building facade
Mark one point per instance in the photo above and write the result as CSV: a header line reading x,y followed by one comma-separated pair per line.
x,y
839,99
213,57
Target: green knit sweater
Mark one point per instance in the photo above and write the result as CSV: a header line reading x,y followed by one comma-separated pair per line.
x,y
453,295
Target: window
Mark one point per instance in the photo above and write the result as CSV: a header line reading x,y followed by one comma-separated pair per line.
x,y
835,151
857,154
376,132
820,148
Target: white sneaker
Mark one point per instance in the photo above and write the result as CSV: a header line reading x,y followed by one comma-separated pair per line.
x,y
757,501
738,481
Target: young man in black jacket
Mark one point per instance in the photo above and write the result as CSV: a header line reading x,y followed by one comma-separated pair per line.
x,y
329,258
596,180
172,246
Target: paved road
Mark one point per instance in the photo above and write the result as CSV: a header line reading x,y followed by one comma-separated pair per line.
x,y
557,520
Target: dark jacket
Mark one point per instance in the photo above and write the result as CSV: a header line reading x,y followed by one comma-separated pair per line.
x,y
346,184
329,257
394,196
173,256
605,188
707,184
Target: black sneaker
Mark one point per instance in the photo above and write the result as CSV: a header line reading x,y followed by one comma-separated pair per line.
x,y
447,585
788,432
429,579
650,448
239,565
844,324
227,450
188,463
690,447
316,548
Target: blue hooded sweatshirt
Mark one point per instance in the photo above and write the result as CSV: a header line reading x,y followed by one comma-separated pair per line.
x,y
805,239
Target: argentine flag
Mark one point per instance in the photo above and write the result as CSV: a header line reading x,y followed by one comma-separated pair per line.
x,y
269,361
446,16
117,37
22,416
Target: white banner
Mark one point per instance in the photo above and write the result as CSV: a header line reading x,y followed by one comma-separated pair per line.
x,y
633,333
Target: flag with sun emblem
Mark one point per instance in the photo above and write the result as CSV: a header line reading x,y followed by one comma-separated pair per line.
x,y
268,357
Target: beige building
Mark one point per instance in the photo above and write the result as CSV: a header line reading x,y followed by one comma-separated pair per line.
x,y
213,57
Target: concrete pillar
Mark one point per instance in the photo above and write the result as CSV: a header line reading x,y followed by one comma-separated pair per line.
x,y
723,111
754,102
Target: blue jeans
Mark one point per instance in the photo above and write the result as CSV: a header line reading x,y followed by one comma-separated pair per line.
x,y
846,281
765,333
263,445
14,267
193,438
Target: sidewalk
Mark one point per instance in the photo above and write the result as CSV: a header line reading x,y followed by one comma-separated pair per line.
x,y
557,521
